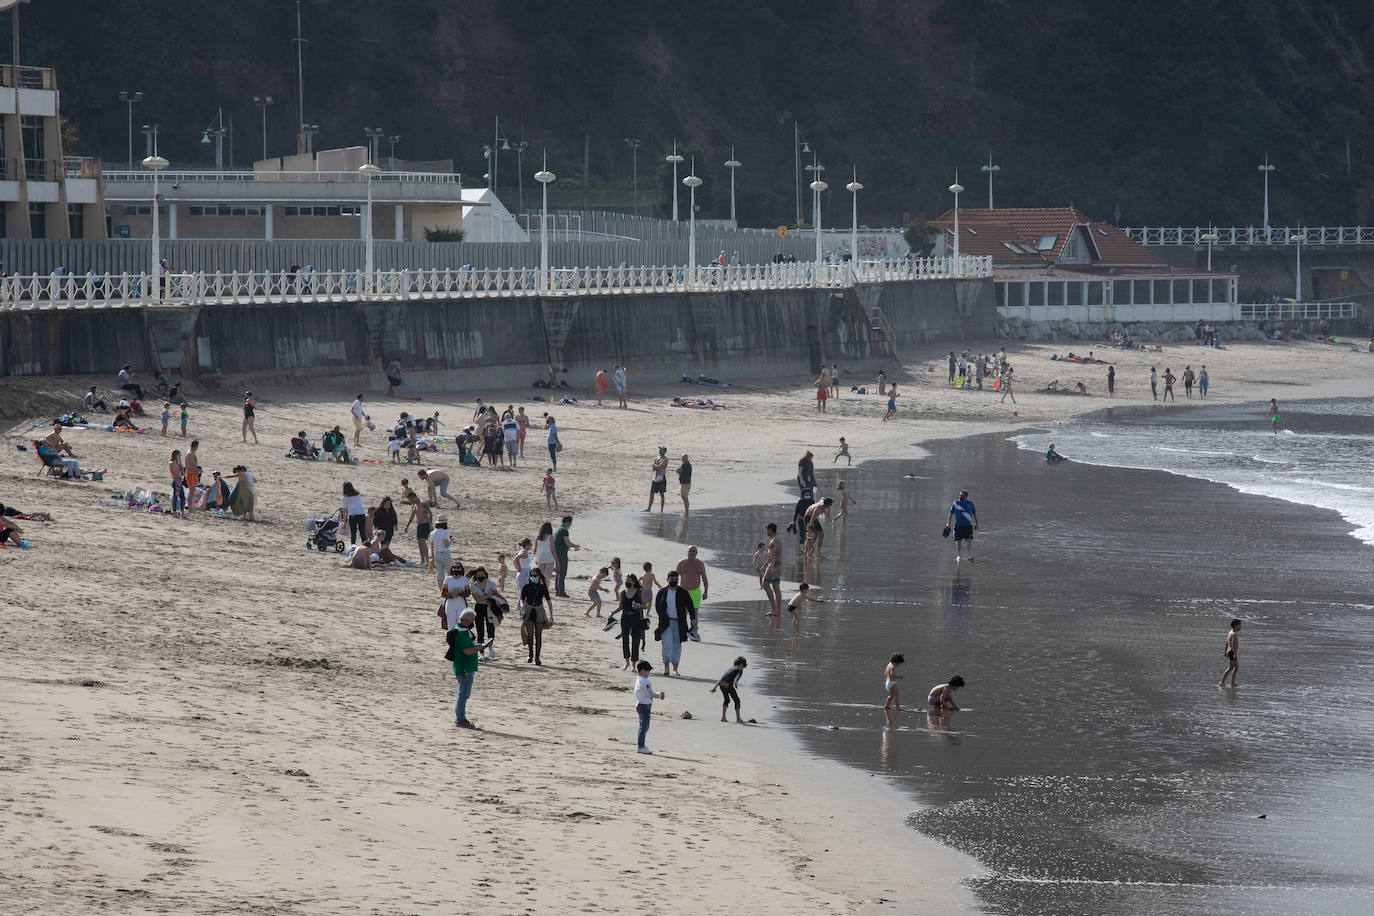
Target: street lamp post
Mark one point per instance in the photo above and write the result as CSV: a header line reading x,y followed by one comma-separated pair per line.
x,y
308,131
675,159
634,158
990,169
956,189
149,132
216,129
817,187
264,102
692,182
1210,236
155,164
520,148
391,160
544,177
854,188
799,146
1297,238
1266,168
732,164
130,99
374,138
369,172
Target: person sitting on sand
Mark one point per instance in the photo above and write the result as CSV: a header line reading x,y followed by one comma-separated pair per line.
x,y
942,695
1052,456
301,447
70,468
93,402
378,546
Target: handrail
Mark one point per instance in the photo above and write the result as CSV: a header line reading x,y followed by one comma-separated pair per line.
x,y
1232,236
184,175
38,291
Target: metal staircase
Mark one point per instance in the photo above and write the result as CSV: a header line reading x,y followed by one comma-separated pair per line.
x,y
881,337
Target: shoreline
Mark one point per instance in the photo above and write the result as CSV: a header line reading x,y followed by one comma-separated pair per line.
x,y
231,617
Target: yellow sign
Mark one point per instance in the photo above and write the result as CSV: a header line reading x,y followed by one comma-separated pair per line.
x,y
782,232
1345,275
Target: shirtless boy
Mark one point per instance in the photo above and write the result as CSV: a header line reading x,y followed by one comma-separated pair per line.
x,y
659,484
942,695
437,481
771,575
1232,654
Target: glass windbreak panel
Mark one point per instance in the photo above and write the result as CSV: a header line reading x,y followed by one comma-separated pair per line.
x,y
1037,292
1121,292
1095,292
1054,290
1074,292
1142,293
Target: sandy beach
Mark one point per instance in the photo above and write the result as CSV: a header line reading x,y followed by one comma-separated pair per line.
x,y
203,716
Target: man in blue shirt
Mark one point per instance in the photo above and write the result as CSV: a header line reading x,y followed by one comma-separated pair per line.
x,y
963,518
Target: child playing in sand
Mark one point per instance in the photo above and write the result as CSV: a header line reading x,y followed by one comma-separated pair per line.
x,y
890,679
393,447
594,591
729,688
942,695
760,560
547,488
618,578
166,416
185,416
796,603
845,500
644,701
843,452
1232,651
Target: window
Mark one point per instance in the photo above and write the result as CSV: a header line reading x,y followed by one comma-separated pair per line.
x,y
1036,291
1075,293
224,210
1054,292
76,221
1047,242
1073,250
1096,291
38,221
138,210
321,211
1121,292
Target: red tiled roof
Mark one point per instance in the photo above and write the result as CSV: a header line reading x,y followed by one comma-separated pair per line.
x,y
983,232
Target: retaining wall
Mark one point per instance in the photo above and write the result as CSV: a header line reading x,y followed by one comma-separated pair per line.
x,y
451,344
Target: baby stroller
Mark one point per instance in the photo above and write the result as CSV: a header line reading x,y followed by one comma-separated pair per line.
x,y
324,533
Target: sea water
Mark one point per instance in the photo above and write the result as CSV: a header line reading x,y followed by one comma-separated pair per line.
x,y
1096,767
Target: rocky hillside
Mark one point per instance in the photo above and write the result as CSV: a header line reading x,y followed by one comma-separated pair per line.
x,y
1163,110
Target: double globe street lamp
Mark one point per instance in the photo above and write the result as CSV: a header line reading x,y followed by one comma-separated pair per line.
x,y
155,164
544,177
692,182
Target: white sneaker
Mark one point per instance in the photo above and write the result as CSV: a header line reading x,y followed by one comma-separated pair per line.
x,y
491,654
645,750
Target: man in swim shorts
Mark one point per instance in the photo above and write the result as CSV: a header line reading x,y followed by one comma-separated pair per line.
x,y
693,578
659,483
772,571
963,518
358,417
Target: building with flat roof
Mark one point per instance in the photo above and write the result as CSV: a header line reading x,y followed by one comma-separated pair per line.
x,y
319,195
46,195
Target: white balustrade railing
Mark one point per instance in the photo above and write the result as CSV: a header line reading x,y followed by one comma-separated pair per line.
x,y
1234,236
37,291
240,175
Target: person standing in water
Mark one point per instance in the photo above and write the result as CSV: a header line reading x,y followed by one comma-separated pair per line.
x,y
963,518
1232,651
1274,415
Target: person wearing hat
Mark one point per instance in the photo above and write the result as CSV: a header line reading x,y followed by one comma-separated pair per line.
x,y
676,615
441,547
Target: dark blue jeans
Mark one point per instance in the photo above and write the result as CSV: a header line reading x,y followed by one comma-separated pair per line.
x,y
643,709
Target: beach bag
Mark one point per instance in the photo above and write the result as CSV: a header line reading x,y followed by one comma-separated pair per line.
x,y
499,607
450,639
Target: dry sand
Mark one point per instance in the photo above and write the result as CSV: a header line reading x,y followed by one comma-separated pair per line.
x,y
202,716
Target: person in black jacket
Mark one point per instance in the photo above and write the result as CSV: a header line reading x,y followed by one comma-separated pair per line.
x,y
799,516
384,520
676,615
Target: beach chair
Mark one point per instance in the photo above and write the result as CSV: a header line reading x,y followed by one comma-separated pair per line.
x,y
47,470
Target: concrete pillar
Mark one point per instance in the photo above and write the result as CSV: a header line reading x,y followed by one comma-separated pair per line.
x,y
171,220
267,228
400,220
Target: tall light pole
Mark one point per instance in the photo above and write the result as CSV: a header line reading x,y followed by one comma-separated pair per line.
x,y
520,148
216,129
732,164
634,158
498,143
374,139
817,187
155,164
264,102
692,182
308,131
1266,168
149,132
544,176
130,99
369,172
1297,238
799,146
1209,237
956,189
675,159
391,160
854,188
990,169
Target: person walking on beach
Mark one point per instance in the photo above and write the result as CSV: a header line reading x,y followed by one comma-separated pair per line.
x,y
692,573
359,417
815,532
185,418
1154,383
464,648
799,516
659,483
891,403
601,384
1274,415
421,517
729,688
551,426
523,419
843,452
822,391
644,701
562,543
166,416
1111,381
1188,377
548,486
543,551
1006,384
621,385
536,615
845,501
454,589
890,679
963,518
249,409
632,622
441,549
353,513
1169,379
676,615
953,366
806,472
772,571
1202,382
684,483
594,591
834,380
1232,650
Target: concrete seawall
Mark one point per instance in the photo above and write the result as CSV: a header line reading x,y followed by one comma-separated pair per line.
x,y
500,342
